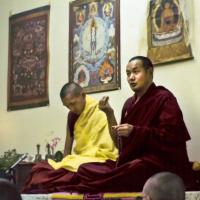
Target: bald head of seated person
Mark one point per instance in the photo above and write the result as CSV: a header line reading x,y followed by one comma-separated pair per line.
x,y
164,186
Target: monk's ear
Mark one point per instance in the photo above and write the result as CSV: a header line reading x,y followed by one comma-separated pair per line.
x,y
83,94
151,71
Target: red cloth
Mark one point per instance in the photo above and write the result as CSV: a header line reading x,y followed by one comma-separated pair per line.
x,y
44,179
157,143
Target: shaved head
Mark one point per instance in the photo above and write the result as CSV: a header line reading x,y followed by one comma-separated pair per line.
x,y
165,186
71,88
146,61
73,97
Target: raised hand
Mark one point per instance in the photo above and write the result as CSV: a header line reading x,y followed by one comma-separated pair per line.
x,y
105,106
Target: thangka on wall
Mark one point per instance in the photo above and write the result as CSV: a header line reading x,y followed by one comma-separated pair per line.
x,y
28,59
94,44
168,31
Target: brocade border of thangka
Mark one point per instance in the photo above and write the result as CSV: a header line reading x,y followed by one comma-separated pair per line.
x,y
28,59
167,32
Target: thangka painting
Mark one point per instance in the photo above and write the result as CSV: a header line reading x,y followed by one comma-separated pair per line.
x,y
94,45
168,31
28,59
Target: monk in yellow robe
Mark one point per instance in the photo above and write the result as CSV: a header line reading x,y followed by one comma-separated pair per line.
x,y
88,130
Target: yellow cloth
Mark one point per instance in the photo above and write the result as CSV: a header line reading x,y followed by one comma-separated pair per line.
x,y
123,195
93,142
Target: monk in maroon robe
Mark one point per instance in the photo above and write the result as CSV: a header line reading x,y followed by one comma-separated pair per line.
x,y
151,136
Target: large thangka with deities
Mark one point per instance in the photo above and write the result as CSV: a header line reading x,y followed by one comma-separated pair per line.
x,y
94,53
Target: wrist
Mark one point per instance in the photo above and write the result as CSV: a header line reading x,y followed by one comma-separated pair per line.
x,y
110,112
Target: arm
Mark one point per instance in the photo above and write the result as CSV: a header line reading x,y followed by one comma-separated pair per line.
x,y
68,142
108,110
159,130
111,123
166,129
169,127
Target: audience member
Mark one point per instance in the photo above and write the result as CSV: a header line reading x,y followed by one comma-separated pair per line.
x,y
164,186
8,191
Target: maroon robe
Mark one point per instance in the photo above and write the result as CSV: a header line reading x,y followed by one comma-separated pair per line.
x,y
157,143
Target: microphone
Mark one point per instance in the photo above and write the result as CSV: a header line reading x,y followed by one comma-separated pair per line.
x,y
22,157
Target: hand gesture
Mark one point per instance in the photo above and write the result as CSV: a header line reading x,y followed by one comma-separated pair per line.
x,y
105,106
123,129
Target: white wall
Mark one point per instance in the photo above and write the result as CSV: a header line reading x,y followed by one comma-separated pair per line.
x,y
23,129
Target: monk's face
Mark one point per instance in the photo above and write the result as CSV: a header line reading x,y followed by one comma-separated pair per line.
x,y
138,77
75,104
